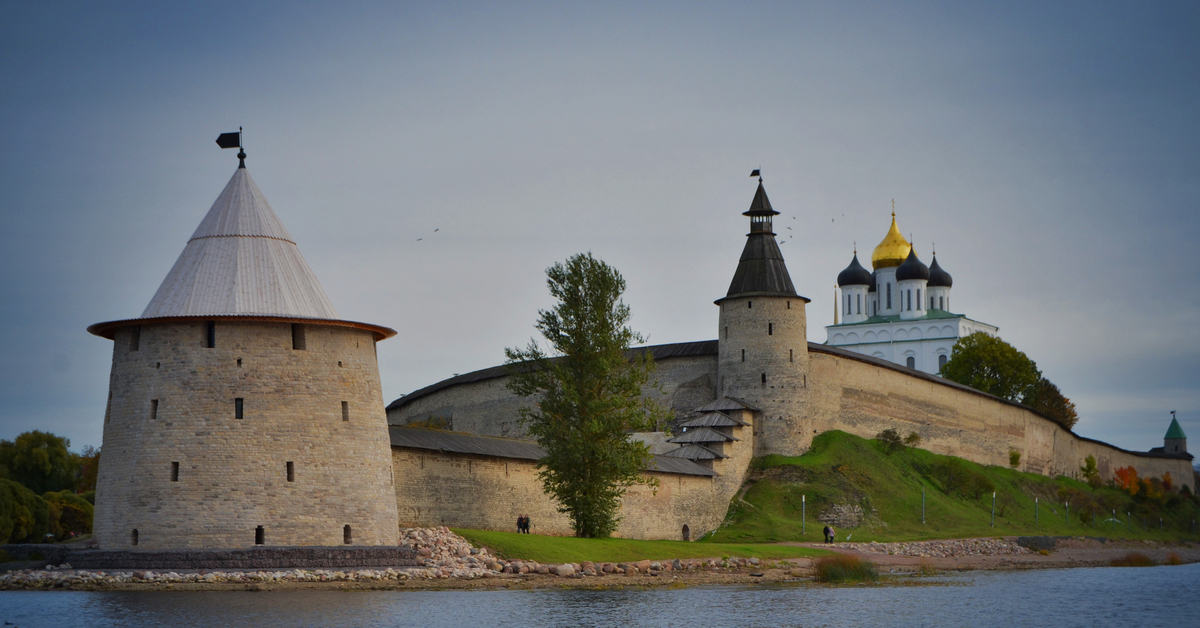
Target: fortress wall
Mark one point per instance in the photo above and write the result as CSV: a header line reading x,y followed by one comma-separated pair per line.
x,y
232,473
487,408
489,493
865,399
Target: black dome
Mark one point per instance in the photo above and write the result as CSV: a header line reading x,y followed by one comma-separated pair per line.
x,y
854,275
874,283
939,278
912,268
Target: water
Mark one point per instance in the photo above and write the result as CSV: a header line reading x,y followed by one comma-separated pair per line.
x,y
1153,596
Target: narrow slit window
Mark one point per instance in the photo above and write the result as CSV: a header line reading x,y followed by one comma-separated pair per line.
x,y
764,378
174,471
298,337
133,537
260,535
239,363
790,358
743,355
347,535
727,332
941,304
749,304
889,296
291,471
345,410
210,334
153,409
858,303
135,337
789,305
770,329
239,408
918,296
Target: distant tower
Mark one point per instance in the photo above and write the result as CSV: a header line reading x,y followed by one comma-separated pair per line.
x,y
1175,442
855,283
762,342
242,409
891,253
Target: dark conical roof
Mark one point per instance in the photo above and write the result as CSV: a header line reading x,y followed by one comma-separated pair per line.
x,y
761,205
1175,431
939,278
761,269
912,268
854,275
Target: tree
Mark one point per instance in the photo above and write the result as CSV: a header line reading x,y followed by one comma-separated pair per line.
x,y
1091,474
1046,399
912,440
1127,480
1014,457
589,395
39,461
987,363
891,440
89,466
24,517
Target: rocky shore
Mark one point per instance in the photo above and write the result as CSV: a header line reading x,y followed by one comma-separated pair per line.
x,y
451,562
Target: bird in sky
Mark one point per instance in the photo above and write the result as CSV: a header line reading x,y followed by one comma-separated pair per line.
x,y
419,239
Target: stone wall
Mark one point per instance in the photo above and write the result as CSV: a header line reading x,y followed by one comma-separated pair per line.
x,y
232,473
489,493
487,408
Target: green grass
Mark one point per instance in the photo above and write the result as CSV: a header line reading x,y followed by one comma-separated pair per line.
x,y
563,549
842,468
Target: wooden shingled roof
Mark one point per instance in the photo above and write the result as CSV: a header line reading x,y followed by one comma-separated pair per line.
x,y
713,419
692,451
701,435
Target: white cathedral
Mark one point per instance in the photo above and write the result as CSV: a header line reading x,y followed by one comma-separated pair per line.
x,y
900,312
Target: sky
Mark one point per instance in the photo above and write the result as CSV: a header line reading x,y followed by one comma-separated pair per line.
x,y
1051,151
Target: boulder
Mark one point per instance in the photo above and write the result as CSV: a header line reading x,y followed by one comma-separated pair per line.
x,y
564,570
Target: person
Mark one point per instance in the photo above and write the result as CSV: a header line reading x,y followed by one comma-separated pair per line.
x,y
828,532
520,524
527,524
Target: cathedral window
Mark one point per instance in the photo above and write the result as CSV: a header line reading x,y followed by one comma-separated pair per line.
x,y
918,296
941,305
941,361
909,299
858,303
889,296
910,362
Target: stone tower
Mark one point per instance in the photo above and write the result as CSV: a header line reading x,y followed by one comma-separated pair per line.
x,y
1175,441
762,339
242,409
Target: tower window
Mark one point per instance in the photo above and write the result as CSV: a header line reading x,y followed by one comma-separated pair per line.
x,y
789,305
727,332
743,355
941,306
910,362
764,378
889,296
931,303
260,535
135,337
210,334
749,304
790,356
770,329
298,337
909,299
345,410
918,296
153,409
291,471
346,535
133,537
239,363
174,471
858,304
238,409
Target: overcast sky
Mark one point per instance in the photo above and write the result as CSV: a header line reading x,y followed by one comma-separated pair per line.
x,y
1050,150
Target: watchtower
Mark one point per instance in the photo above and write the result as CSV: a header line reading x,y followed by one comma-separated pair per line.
x,y
762,343
1175,441
242,409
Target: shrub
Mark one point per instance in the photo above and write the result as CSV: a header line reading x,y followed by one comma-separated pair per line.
x,y
1090,473
1174,559
24,517
1014,458
68,513
891,440
841,568
912,440
1133,559
958,478
927,568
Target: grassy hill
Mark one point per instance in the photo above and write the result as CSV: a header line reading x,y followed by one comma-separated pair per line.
x,y
852,474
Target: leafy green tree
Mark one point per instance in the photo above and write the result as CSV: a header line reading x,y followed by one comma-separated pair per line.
x,y
24,517
985,362
68,513
1090,473
890,439
1048,400
40,461
589,395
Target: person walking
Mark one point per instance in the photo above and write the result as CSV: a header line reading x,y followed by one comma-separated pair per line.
x,y
527,524
520,523
828,532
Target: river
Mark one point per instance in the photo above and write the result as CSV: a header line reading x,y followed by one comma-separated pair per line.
x,y
1117,597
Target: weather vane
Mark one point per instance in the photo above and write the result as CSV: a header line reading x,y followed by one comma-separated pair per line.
x,y
233,140
757,173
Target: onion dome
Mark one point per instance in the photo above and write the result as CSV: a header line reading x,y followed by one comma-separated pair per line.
x,y
912,268
893,250
939,278
854,275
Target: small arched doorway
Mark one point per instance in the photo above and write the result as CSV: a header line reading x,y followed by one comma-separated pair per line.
x,y
687,533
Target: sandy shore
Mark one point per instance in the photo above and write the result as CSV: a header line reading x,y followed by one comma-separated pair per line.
x,y
898,562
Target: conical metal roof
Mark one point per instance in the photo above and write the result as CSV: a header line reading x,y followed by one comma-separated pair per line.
x,y
1175,431
241,261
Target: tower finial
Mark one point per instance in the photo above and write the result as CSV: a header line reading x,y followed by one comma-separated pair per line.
x,y
856,248
893,208
233,140
757,172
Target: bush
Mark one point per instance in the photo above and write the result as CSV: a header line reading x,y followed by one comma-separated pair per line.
x,y
912,440
1174,559
68,513
958,478
24,517
835,569
1014,458
890,439
1133,559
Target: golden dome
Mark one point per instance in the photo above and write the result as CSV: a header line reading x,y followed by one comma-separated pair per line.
x,y
892,251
